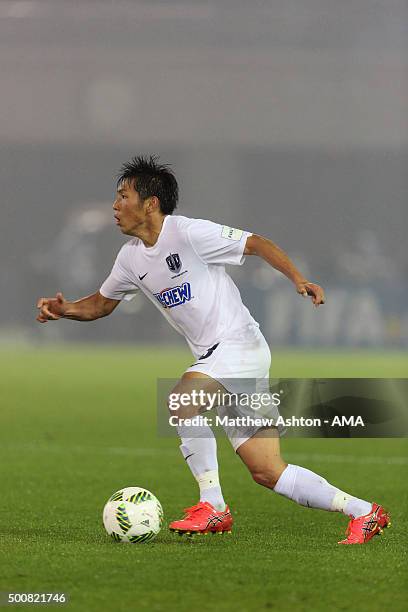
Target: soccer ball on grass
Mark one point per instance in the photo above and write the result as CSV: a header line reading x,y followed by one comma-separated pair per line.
x,y
133,515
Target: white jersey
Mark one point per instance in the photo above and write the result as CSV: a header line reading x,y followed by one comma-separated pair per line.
x,y
184,275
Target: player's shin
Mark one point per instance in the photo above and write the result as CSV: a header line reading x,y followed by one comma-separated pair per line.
x,y
311,490
199,449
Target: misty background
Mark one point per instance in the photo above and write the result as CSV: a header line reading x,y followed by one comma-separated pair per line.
x,y
284,118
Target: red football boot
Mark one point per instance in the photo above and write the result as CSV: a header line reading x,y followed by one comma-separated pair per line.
x,y
361,529
203,518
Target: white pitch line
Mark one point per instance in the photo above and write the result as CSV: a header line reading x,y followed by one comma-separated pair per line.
x,y
157,452
87,450
355,459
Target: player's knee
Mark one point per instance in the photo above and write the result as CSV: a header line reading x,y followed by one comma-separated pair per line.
x,y
178,413
264,478
267,476
172,408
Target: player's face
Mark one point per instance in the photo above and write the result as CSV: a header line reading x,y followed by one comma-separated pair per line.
x,y
129,209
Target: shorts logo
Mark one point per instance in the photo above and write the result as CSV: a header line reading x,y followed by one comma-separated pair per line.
x,y
174,296
231,233
174,262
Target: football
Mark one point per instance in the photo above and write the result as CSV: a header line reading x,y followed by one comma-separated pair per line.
x,y
133,515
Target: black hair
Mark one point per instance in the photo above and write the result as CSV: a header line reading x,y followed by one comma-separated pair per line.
x,y
149,179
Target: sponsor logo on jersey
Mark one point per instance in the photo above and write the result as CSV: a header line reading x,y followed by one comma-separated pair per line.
x,y
174,296
174,262
231,233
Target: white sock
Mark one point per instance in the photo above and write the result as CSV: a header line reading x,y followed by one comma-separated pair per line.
x,y
309,489
200,453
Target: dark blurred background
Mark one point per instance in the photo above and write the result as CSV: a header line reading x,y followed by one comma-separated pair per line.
x,y
285,118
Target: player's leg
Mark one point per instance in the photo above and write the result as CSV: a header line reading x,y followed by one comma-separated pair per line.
x,y
199,449
261,455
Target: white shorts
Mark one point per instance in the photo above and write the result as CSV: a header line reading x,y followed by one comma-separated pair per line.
x,y
241,364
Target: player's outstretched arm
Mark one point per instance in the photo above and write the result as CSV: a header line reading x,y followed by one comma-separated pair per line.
x,y
278,259
88,308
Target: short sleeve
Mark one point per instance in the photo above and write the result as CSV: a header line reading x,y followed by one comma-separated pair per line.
x,y
118,285
217,244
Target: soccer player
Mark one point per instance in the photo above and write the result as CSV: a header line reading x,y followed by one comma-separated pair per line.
x,y
179,264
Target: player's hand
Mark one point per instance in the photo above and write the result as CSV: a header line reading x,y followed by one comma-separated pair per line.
x,y
312,290
51,309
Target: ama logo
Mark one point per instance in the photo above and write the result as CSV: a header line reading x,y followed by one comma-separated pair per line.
x,y
174,296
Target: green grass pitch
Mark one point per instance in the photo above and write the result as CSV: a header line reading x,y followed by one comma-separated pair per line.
x,y
78,423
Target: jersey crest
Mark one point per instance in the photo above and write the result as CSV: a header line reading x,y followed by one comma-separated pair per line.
x,y
174,262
